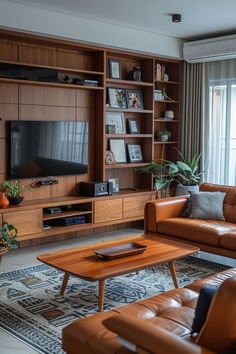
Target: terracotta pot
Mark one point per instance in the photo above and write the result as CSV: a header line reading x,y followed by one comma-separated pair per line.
x,y
4,202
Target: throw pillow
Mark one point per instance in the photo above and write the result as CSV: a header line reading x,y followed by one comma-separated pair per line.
x,y
204,300
207,205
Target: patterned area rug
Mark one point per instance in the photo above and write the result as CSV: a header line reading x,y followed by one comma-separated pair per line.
x,y
33,311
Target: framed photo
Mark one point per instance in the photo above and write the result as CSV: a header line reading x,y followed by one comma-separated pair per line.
x,y
117,97
134,99
135,153
133,126
115,184
118,120
117,146
110,129
110,158
114,69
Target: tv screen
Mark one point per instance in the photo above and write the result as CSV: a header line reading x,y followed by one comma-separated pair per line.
x,y
43,148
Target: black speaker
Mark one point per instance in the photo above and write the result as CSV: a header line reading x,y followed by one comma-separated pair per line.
x,y
95,189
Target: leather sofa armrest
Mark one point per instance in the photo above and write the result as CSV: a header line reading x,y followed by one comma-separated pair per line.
x,y
219,330
150,339
162,209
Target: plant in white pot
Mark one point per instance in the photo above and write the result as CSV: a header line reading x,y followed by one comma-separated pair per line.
x,y
187,175
163,135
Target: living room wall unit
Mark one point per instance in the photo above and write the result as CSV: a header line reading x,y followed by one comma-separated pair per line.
x,y
71,98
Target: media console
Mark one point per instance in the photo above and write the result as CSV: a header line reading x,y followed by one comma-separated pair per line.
x,y
33,219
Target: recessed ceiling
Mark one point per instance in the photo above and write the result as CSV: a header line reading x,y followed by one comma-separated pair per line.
x,y
201,18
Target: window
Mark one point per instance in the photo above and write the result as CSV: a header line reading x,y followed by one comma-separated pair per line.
x,y
221,166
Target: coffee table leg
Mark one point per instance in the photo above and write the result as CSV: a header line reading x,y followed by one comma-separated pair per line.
x,y
173,273
101,294
64,283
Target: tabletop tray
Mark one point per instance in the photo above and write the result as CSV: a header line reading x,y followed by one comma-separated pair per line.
x,y
124,250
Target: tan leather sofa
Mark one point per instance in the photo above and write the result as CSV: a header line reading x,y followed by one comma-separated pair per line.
x,y
161,324
164,217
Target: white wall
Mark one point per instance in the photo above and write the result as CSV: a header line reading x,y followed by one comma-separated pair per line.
x,y
42,21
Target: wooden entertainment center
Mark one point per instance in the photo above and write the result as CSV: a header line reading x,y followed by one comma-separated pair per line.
x,y
22,99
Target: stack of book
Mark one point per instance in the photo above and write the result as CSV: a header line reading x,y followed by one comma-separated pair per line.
x,y
160,71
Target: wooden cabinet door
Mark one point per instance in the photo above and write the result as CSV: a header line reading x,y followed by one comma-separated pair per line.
x,y
134,206
26,222
107,210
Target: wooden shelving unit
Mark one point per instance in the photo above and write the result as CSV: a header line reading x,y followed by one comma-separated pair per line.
x,y
25,99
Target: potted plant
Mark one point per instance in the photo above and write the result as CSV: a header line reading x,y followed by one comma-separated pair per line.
x,y
163,174
14,191
187,174
163,135
8,235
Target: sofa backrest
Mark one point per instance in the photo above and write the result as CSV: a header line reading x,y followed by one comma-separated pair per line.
x,y
229,201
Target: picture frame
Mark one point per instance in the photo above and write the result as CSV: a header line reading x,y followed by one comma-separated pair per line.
x,y
133,126
115,184
117,146
114,69
135,152
134,99
110,158
118,120
117,97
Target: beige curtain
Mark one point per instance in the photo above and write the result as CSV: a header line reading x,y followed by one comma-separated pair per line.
x,y
191,128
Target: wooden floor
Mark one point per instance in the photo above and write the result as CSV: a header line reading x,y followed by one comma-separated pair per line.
x,y
27,256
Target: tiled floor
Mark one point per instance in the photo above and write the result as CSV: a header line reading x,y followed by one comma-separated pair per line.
x,y
27,256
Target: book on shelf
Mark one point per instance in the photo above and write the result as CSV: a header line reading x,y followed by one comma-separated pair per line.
x,y
160,71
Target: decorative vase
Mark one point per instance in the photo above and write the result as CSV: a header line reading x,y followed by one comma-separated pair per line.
x,y
4,202
184,190
15,201
135,74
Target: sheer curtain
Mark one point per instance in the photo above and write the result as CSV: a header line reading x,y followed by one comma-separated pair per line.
x,y
219,123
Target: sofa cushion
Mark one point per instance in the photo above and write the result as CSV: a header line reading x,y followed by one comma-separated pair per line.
x,y
228,241
207,205
204,300
172,310
229,201
204,231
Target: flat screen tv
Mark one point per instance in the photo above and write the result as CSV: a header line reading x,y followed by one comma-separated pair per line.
x,y
48,148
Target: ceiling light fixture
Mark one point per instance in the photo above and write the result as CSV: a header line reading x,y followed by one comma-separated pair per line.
x,y
176,18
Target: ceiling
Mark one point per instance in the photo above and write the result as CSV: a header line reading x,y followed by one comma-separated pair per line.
x,y
200,19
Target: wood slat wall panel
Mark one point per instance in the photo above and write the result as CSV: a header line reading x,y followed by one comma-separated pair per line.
x,y
8,50
3,156
54,113
47,96
8,93
35,54
7,112
75,59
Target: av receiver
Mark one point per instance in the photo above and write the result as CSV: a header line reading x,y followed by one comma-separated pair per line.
x,y
95,189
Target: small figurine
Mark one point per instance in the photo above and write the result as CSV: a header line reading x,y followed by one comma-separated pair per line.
x,y
135,74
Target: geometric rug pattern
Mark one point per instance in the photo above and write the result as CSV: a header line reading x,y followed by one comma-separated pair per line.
x,y
32,310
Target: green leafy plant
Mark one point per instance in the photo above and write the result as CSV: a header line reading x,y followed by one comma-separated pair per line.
x,y
14,189
187,170
8,234
163,174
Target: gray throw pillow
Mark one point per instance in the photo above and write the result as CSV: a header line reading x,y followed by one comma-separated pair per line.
x,y
207,205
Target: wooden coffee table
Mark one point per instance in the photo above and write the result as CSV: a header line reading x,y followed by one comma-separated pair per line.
x,y
83,263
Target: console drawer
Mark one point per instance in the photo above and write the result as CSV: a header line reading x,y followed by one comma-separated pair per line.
x,y
26,222
134,206
107,210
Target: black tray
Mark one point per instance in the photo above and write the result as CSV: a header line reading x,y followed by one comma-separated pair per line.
x,y
124,250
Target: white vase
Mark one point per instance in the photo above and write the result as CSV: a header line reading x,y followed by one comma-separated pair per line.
x,y
184,190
